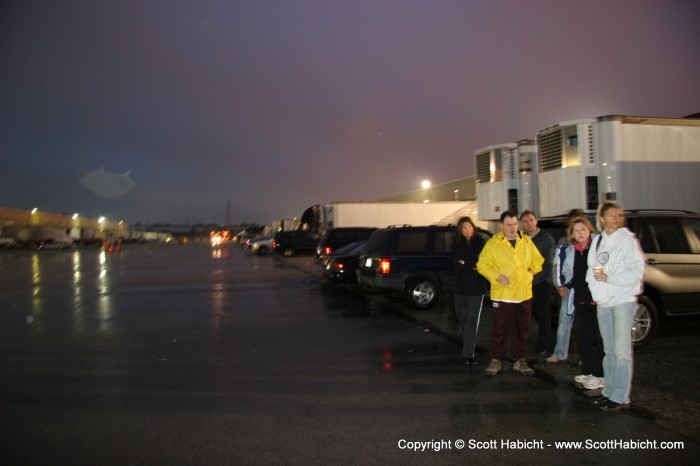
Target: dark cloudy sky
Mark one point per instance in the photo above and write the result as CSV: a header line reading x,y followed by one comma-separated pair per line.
x,y
278,105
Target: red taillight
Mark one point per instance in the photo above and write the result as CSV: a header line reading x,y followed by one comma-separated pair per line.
x,y
274,244
338,266
384,266
327,250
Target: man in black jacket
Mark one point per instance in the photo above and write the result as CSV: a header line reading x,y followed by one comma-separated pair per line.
x,y
542,283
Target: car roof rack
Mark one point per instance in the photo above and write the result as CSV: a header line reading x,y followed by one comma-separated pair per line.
x,y
635,211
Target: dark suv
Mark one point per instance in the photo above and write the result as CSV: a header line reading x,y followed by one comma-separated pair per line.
x,y
335,238
670,241
289,243
413,261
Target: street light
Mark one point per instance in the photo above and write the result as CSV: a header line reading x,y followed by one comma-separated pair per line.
x,y
425,184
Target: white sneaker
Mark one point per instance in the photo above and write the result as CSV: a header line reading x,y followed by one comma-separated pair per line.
x,y
594,383
583,378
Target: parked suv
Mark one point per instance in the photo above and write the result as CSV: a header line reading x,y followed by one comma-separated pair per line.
x,y
335,238
670,241
413,261
289,243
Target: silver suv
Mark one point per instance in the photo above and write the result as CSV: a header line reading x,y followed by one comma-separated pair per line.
x,y
671,244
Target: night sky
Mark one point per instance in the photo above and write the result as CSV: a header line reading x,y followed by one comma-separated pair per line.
x,y
278,105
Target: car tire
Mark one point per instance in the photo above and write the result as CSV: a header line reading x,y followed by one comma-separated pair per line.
x,y
645,322
421,293
262,250
288,252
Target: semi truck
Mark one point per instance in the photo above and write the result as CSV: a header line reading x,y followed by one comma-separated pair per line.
x,y
640,162
385,214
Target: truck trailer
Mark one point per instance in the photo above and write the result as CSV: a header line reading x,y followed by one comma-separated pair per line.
x,y
385,214
504,178
640,162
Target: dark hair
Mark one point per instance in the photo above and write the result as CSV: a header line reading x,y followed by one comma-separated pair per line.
x,y
461,222
573,213
508,214
527,212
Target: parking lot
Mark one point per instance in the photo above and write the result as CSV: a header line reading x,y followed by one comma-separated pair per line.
x,y
666,385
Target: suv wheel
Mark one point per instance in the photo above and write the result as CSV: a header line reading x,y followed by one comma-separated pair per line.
x,y
262,250
644,322
421,293
288,252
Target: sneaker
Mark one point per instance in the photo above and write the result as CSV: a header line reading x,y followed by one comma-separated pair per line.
x,y
583,378
554,359
494,367
594,383
600,399
610,405
522,367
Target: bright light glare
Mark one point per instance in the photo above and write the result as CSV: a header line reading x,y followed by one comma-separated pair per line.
x,y
425,184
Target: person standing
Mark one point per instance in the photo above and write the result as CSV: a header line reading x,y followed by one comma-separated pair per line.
x,y
509,262
615,273
590,344
562,272
542,282
469,286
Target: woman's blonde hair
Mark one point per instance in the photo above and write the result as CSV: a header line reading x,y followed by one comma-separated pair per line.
x,y
578,219
604,207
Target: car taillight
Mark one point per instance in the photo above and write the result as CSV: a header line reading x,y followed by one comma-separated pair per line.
x,y
384,266
274,244
338,265
327,250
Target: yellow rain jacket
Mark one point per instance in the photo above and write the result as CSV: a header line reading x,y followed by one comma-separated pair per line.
x,y
518,263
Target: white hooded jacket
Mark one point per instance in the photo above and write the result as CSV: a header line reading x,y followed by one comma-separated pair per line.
x,y
623,263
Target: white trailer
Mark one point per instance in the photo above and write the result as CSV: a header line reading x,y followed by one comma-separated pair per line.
x,y
505,178
384,214
640,162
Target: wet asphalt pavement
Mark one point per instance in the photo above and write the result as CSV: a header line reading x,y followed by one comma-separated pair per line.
x,y
188,355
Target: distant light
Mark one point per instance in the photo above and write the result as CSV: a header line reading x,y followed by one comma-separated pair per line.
x,y
75,216
425,184
101,219
34,210
121,222
426,201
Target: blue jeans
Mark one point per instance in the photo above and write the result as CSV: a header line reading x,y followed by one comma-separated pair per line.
x,y
566,321
615,324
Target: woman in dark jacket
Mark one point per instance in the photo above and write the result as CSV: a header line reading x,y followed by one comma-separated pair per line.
x,y
469,285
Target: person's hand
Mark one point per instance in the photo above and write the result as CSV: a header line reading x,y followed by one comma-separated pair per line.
x,y
563,291
503,280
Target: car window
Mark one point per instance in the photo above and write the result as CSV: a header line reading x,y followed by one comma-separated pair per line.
x,y
644,235
443,241
375,243
411,242
669,235
694,224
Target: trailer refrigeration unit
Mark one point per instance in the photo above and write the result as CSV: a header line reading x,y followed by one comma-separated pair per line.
x,y
640,162
384,214
505,178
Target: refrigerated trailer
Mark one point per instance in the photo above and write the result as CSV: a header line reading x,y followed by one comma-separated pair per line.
x,y
640,162
505,178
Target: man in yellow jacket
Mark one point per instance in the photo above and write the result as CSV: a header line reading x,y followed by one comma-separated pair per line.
x,y
508,261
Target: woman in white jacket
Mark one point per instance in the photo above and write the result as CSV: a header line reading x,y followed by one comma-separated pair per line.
x,y
615,273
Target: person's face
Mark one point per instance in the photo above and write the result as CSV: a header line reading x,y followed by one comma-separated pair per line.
x,y
612,219
530,224
467,230
581,233
509,226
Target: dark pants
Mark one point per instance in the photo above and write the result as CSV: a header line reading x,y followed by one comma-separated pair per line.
x,y
511,321
468,310
541,309
590,343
